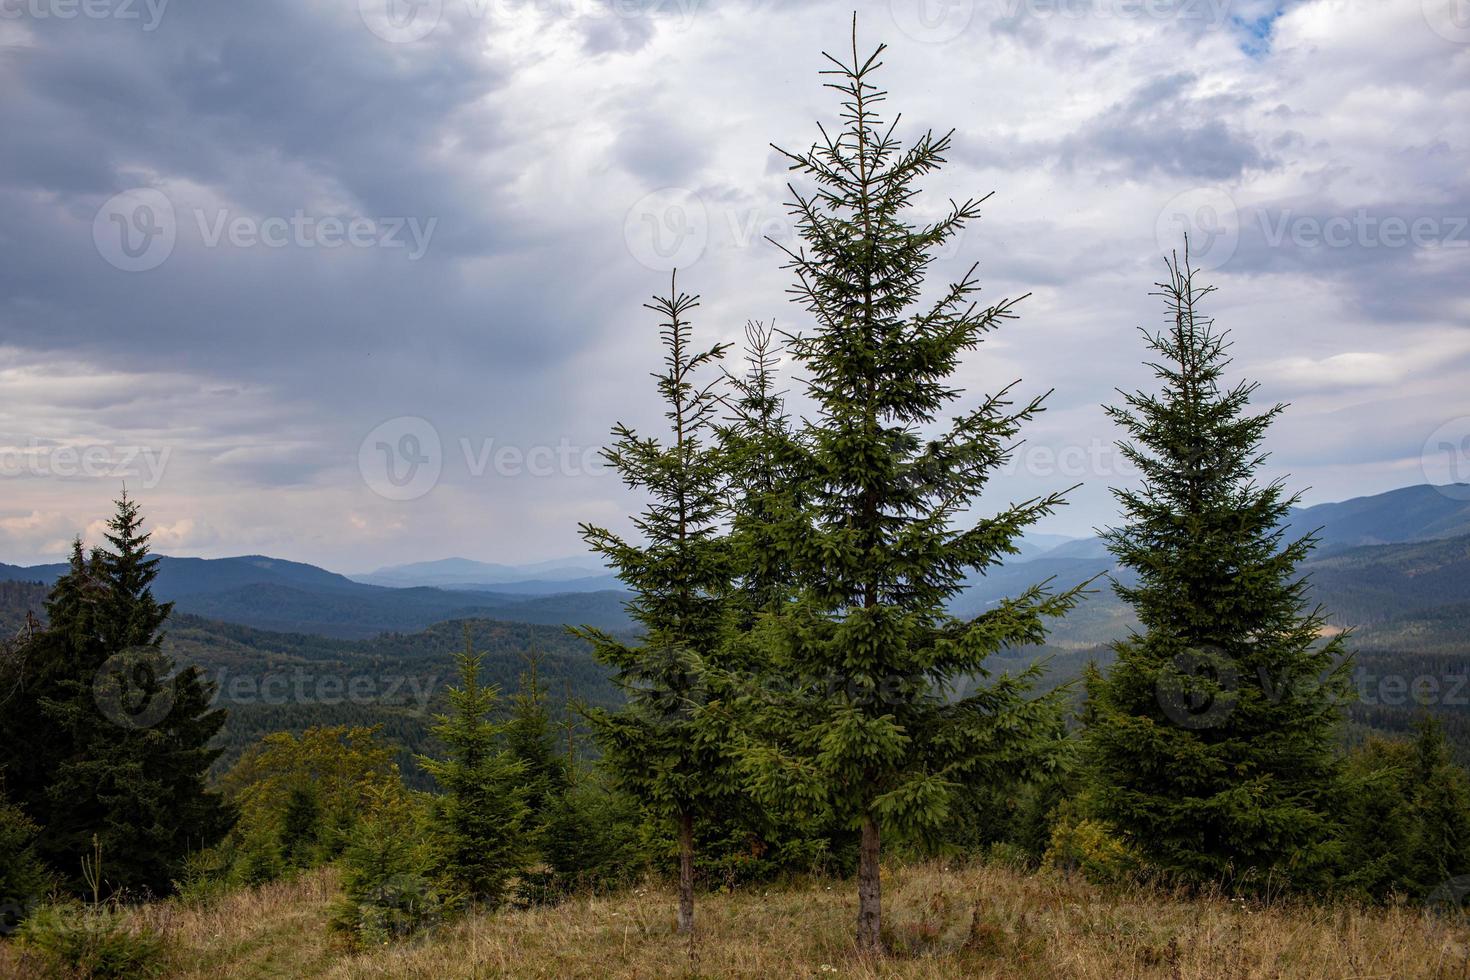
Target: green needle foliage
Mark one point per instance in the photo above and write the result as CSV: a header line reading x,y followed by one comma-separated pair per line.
x,y
660,748
481,820
767,468
1212,736
107,739
863,719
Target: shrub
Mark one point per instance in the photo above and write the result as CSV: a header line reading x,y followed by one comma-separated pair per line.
x,y
91,943
23,878
1091,847
386,885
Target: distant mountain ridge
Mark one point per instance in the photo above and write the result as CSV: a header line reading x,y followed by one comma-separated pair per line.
x,y
467,572
1366,582
1417,513
273,594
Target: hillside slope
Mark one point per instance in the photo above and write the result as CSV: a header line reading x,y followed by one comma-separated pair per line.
x,y
984,922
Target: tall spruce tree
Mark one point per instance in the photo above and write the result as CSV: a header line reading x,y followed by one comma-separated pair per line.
x,y
661,747
530,739
124,732
1211,737
766,470
866,721
481,819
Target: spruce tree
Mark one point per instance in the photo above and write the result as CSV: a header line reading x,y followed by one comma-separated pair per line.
x,y
529,739
661,748
128,731
482,837
1440,810
1211,737
864,719
766,472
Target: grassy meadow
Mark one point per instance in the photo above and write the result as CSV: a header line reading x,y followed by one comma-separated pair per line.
x,y
981,921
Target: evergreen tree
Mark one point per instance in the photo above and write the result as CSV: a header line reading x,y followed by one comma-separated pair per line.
x,y
481,818
23,878
1440,810
866,721
125,733
766,469
529,738
1211,737
661,748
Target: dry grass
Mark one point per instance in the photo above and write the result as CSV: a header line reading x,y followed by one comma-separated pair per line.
x,y
972,922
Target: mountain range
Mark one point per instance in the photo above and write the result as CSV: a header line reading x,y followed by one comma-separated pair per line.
x,y
1404,551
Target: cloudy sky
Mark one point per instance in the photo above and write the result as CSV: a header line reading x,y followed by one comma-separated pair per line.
x,y
361,283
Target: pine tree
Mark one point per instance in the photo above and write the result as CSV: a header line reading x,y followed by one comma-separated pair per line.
x,y
129,733
529,739
1212,735
766,469
481,818
1440,809
660,748
866,721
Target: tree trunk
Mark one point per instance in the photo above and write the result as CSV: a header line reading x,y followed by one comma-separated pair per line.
x,y
686,873
870,890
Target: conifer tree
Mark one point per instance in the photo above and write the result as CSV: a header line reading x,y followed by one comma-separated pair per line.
x,y
1211,737
661,748
766,471
128,732
529,739
1440,809
481,818
866,721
